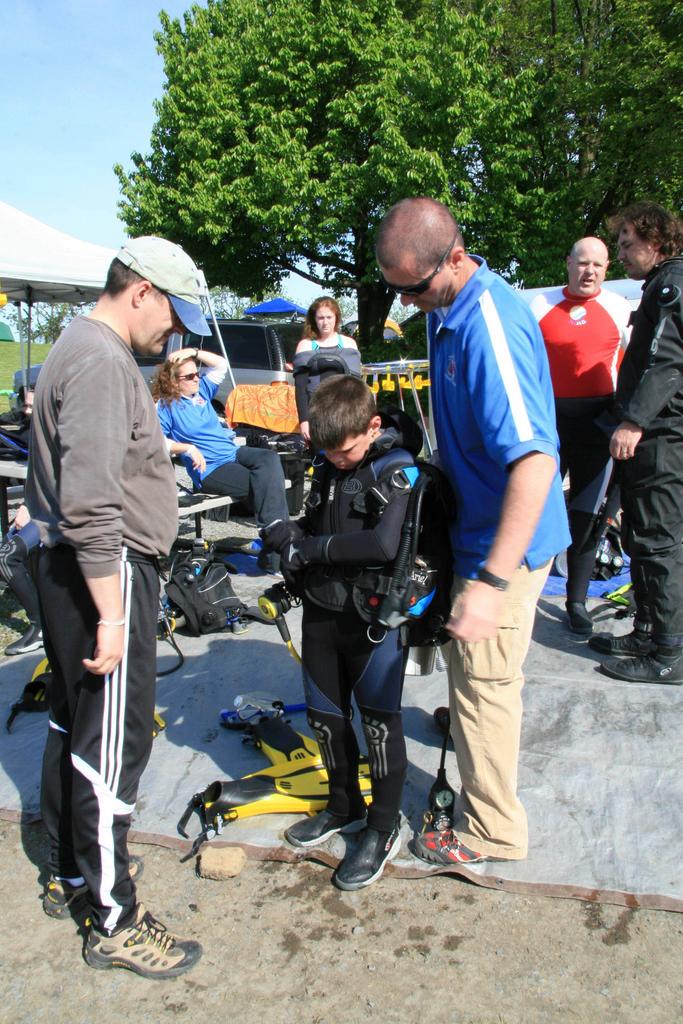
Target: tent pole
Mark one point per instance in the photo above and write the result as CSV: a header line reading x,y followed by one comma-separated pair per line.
x,y
206,295
20,324
29,297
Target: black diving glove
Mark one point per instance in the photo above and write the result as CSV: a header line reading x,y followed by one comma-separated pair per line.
x,y
278,535
299,554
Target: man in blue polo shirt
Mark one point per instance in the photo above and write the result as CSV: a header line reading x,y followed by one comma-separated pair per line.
x,y
493,412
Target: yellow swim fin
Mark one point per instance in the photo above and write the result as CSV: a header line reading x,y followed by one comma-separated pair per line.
x,y
296,782
281,744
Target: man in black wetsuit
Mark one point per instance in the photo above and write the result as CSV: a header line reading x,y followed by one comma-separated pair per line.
x,y
648,445
354,515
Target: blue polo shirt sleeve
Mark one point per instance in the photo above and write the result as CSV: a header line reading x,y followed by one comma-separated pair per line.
x,y
207,387
504,366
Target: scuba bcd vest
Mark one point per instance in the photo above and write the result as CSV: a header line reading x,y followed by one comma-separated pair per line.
x,y
414,589
203,593
321,363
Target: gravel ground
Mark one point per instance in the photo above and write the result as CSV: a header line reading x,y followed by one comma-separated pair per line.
x,y
281,944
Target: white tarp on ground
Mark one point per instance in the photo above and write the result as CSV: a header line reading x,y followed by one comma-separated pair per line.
x,y
40,264
599,768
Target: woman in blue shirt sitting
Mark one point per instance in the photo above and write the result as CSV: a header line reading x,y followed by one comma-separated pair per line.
x,y
207,448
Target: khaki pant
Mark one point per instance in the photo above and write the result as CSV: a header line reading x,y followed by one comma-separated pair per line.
x,y
485,696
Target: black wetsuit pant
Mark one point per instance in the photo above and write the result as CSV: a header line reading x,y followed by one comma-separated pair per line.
x,y
652,532
339,661
15,569
100,733
584,454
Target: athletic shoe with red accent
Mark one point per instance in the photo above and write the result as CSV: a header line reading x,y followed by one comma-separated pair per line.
x,y
444,848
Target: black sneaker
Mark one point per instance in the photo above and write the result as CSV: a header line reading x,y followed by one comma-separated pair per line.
x,y
318,829
580,621
32,640
365,863
145,947
628,646
646,669
61,898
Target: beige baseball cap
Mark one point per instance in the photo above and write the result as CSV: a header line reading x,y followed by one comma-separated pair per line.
x,y
169,268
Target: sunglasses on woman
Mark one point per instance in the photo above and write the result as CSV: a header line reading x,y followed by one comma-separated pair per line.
x,y
189,376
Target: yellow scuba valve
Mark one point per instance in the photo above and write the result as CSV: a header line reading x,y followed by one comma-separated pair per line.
x,y
274,603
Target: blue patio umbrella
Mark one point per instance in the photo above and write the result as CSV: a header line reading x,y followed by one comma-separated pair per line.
x,y
276,307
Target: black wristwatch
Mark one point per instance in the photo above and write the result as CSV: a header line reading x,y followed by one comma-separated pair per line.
x,y
484,576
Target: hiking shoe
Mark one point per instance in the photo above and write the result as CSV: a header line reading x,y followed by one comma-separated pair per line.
x,y
365,863
61,898
318,829
645,669
145,947
580,621
634,643
32,640
444,848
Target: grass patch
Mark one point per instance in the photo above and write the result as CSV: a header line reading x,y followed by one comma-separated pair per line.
x,y
10,362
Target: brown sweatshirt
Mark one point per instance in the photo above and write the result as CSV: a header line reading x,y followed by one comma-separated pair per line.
x,y
99,474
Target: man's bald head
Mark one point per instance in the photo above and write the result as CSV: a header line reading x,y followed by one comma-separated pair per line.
x,y
420,229
587,265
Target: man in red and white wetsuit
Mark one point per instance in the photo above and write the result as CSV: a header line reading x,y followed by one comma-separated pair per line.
x,y
586,330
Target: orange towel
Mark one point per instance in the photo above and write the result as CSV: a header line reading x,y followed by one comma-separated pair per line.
x,y
272,406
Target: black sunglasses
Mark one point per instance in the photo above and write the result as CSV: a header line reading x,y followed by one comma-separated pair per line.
x,y
423,285
189,376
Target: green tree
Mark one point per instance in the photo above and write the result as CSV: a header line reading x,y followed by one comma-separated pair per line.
x,y
48,320
606,119
227,304
288,127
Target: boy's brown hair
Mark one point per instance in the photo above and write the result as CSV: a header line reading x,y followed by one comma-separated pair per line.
x,y
340,408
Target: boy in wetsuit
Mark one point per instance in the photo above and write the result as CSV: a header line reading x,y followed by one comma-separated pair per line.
x,y
354,515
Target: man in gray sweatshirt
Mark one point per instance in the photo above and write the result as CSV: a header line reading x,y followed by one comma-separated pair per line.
x,y
101,489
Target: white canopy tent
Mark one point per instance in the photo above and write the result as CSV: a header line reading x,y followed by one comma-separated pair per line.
x,y
40,264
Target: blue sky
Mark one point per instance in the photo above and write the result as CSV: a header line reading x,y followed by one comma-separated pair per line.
x,y
79,82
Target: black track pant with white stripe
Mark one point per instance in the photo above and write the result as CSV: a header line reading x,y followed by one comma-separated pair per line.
x,y
100,734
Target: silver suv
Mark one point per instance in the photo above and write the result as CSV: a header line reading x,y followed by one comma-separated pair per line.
x,y
259,353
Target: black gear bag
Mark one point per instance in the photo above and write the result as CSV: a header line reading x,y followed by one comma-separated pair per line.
x,y
203,593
